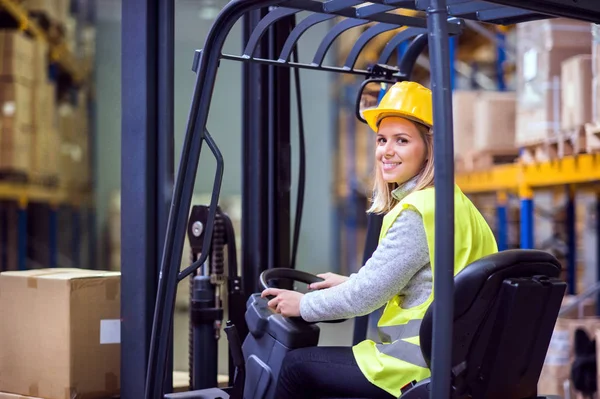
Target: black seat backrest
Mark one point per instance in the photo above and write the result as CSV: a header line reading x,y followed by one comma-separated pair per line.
x,y
505,309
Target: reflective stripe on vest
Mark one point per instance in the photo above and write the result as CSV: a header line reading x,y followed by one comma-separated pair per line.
x,y
388,334
398,360
393,345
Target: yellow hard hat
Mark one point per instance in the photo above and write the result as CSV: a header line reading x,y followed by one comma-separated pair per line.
x,y
406,99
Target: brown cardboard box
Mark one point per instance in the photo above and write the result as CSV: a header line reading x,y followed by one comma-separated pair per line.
x,y
73,146
557,364
596,99
494,127
463,102
15,126
45,140
542,46
576,97
16,55
63,338
40,61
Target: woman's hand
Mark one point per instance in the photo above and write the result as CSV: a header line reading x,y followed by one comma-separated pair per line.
x,y
285,302
331,280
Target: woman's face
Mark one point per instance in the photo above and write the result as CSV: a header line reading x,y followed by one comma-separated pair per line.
x,y
401,150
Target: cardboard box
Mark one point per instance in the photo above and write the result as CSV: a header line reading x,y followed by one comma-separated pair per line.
x,y
63,338
542,46
16,56
45,140
15,126
557,364
576,98
41,52
463,102
494,121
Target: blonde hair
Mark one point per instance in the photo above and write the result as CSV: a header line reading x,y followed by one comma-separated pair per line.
x,y
382,200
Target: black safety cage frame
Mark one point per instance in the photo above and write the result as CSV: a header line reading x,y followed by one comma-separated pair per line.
x,y
443,18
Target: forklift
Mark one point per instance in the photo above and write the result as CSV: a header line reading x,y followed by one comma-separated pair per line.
x,y
482,321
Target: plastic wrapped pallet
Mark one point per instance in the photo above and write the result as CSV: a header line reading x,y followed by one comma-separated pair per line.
x,y
595,73
576,98
15,128
463,102
541,48
45,140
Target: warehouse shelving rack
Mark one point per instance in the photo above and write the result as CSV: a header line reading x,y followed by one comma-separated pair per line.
x,y
59,52
575,172
54,197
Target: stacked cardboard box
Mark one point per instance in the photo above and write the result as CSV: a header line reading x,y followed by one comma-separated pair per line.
x,y
555,374
542,46
595,73
484,128
63,338
45,140
592,127
17,75
74,154
576,98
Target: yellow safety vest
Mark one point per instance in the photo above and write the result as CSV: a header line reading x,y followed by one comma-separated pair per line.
x,y
398,361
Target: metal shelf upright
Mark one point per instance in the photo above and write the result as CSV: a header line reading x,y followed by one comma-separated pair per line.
x,y
443,19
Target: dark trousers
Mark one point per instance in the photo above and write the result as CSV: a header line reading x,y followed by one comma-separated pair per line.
x,y
324,372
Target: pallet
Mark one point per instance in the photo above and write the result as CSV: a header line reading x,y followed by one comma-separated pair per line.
x,y
485,159
14,176
44,180
566,143
592,135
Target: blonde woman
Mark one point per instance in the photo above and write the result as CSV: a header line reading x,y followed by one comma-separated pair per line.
x,y
400,273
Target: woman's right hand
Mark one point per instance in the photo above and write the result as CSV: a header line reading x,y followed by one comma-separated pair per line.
x,y
330,280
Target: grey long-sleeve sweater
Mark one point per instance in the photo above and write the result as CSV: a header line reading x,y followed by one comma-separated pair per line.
x,y
399,265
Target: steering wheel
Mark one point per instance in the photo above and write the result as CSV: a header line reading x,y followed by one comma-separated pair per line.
x,y
294,275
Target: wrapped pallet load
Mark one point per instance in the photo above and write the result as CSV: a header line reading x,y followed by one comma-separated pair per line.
x,y
542,46
16,119
592,127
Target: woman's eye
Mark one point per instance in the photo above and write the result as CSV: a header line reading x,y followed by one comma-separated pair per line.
x,y
403,141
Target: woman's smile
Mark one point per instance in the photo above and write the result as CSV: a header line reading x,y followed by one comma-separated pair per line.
x,y
388,165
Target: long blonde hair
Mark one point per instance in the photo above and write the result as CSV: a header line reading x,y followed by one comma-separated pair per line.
x,y
383,201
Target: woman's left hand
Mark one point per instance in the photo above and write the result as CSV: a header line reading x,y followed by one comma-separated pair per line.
x,y
285,302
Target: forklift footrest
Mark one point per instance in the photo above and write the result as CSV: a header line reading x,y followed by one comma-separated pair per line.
x,y
211,393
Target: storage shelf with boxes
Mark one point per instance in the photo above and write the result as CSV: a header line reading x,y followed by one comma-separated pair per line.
x,y
31,15
46,188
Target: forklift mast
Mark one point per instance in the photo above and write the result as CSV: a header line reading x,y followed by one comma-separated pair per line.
x,y
270,41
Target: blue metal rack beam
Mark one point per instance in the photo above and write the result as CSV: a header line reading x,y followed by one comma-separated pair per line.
x,y
571,241
502,220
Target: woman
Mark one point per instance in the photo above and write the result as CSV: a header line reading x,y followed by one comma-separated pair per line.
x,y
400,273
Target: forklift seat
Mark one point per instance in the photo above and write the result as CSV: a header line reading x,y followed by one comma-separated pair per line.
x,y
505,310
